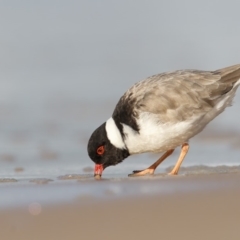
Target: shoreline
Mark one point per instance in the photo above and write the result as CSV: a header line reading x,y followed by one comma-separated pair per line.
x,y
190,207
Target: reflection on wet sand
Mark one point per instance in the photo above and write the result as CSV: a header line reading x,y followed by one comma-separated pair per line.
x,y
74,177
8,180
201,170
40,180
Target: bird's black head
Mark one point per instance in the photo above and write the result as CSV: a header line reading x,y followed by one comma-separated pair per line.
x,y
103,152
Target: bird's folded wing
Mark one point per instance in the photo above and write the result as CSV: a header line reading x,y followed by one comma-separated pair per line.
x,y
180,95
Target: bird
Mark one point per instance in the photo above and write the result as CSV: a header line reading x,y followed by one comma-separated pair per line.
x,y
161,113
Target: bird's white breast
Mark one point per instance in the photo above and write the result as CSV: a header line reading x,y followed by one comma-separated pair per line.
x,y
155,136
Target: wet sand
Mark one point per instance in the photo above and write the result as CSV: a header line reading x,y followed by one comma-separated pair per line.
x,y
191,213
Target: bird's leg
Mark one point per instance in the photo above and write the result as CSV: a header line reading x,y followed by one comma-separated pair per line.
x,y
183,153
151,169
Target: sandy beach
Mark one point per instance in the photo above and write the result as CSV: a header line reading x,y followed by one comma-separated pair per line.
x,y
209,209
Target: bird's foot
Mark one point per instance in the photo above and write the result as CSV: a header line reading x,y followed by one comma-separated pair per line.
x,y
172,173
138,173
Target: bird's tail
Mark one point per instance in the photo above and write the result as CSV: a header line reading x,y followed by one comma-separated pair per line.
x,y
229,75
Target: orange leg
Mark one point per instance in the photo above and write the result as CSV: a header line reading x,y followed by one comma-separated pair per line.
x,y
151,169
183,153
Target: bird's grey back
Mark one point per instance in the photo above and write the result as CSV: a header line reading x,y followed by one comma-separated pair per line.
x,y
180,94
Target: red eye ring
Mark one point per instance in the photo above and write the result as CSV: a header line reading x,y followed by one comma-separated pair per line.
x,y
100,150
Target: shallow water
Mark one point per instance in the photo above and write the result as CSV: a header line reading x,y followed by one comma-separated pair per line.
x,y
83,187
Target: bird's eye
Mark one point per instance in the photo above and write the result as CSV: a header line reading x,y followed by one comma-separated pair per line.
x,y
100,150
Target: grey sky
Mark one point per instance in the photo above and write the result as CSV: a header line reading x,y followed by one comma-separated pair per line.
x,y
67,47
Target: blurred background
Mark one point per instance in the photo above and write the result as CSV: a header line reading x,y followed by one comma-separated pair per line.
x,y
65,64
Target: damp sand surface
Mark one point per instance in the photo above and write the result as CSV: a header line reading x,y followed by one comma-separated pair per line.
x,y
19,192
188,206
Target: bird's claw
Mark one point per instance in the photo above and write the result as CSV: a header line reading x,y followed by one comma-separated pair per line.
x,y
139,173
